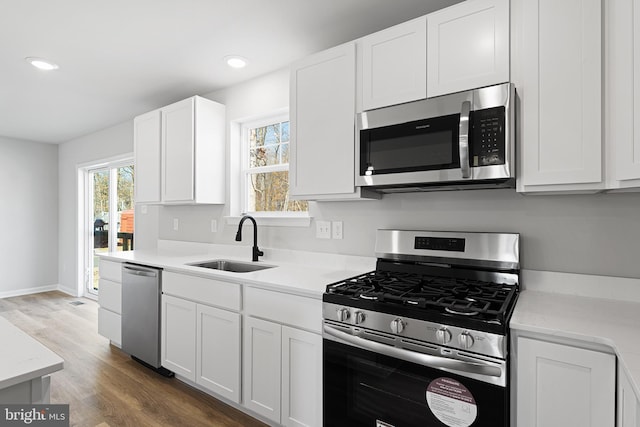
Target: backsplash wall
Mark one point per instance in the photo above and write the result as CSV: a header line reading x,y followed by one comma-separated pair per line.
x,y
590,234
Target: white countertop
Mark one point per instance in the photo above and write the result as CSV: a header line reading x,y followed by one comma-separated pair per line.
x,y
23,358
296,272
613,323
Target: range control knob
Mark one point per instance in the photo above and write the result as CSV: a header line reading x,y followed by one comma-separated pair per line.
x,y
359,317
443,335
465,340
343,314
397,325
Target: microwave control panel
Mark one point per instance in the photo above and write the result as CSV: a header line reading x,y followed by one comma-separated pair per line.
x,y
488,146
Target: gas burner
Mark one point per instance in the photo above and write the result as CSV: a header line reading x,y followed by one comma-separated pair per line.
x,y
464,297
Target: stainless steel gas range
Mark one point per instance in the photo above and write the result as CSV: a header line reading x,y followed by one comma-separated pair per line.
x,y
423,339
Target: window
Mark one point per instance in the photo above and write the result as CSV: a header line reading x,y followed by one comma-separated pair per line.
x,y
265,169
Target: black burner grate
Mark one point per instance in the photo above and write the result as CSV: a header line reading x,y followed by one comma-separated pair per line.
x,y
466,297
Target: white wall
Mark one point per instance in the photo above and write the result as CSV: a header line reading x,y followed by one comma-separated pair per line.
x,y
28,191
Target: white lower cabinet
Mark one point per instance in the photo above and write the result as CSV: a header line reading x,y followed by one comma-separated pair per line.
x,y
561,385
282,373
218,351
301,378
178,339
628,410
199,342
282,357
262,367
110,300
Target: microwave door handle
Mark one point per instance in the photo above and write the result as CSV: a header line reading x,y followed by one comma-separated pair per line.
x,y
464,139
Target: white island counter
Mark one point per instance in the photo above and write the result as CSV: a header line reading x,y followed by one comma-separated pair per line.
x,y
24,366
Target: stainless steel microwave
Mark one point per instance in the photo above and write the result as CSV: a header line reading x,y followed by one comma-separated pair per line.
x,y
457,141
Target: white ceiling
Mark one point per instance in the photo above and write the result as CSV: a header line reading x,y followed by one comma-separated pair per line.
x,y
120,58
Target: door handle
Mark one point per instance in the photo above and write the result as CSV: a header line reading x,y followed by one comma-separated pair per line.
x,y
464,139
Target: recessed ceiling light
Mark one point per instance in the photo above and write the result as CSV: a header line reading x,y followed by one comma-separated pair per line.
x,y
41,63
235,61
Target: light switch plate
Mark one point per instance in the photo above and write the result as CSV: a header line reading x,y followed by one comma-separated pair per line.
x,y
176,224
214,226
323,229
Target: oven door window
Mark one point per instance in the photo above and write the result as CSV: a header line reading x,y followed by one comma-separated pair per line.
x,y
430,144
362,388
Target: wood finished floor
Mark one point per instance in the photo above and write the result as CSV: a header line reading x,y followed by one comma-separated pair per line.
x,y
102,385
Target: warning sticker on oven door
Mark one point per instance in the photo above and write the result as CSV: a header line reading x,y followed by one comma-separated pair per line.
x,y
451,402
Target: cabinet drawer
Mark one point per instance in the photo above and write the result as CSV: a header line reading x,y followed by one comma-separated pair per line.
x,y
110,325
294,310
110,296
111,270
206,291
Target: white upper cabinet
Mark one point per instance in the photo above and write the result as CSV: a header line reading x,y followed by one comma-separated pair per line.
x,y
147,137
468,46
322,114
193,154
557,70
622,112
394,65
180,154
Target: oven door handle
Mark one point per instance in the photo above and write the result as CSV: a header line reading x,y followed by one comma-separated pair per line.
x,y
431,361
463,140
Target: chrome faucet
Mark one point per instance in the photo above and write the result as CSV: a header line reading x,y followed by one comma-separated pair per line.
x,y
255,252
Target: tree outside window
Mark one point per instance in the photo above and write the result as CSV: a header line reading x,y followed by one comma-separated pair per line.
x,y
266,170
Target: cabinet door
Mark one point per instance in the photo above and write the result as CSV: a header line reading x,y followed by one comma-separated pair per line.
x,y
628,411
560,385
218,351
178,336
468,46
147,148
560,89
623,91
178,151
261,367
322,118
394,65
301,378
110,326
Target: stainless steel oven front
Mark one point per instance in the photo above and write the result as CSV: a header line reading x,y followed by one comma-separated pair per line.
x,y
376,379
462,139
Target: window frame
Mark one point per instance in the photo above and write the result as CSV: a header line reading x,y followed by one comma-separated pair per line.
x,y
246,170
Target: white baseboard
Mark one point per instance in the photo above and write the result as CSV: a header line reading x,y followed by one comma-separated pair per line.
x,y
28,291
68,291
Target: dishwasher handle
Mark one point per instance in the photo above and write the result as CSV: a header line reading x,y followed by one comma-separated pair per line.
x,y
139,271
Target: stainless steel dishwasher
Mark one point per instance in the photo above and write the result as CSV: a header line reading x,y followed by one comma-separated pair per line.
x,y
141,290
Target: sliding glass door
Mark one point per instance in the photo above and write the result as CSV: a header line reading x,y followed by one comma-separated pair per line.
x,y
109,215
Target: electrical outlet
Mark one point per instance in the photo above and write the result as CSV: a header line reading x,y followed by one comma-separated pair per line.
x,y
214,226
143,209
323,229
336,229
176,224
